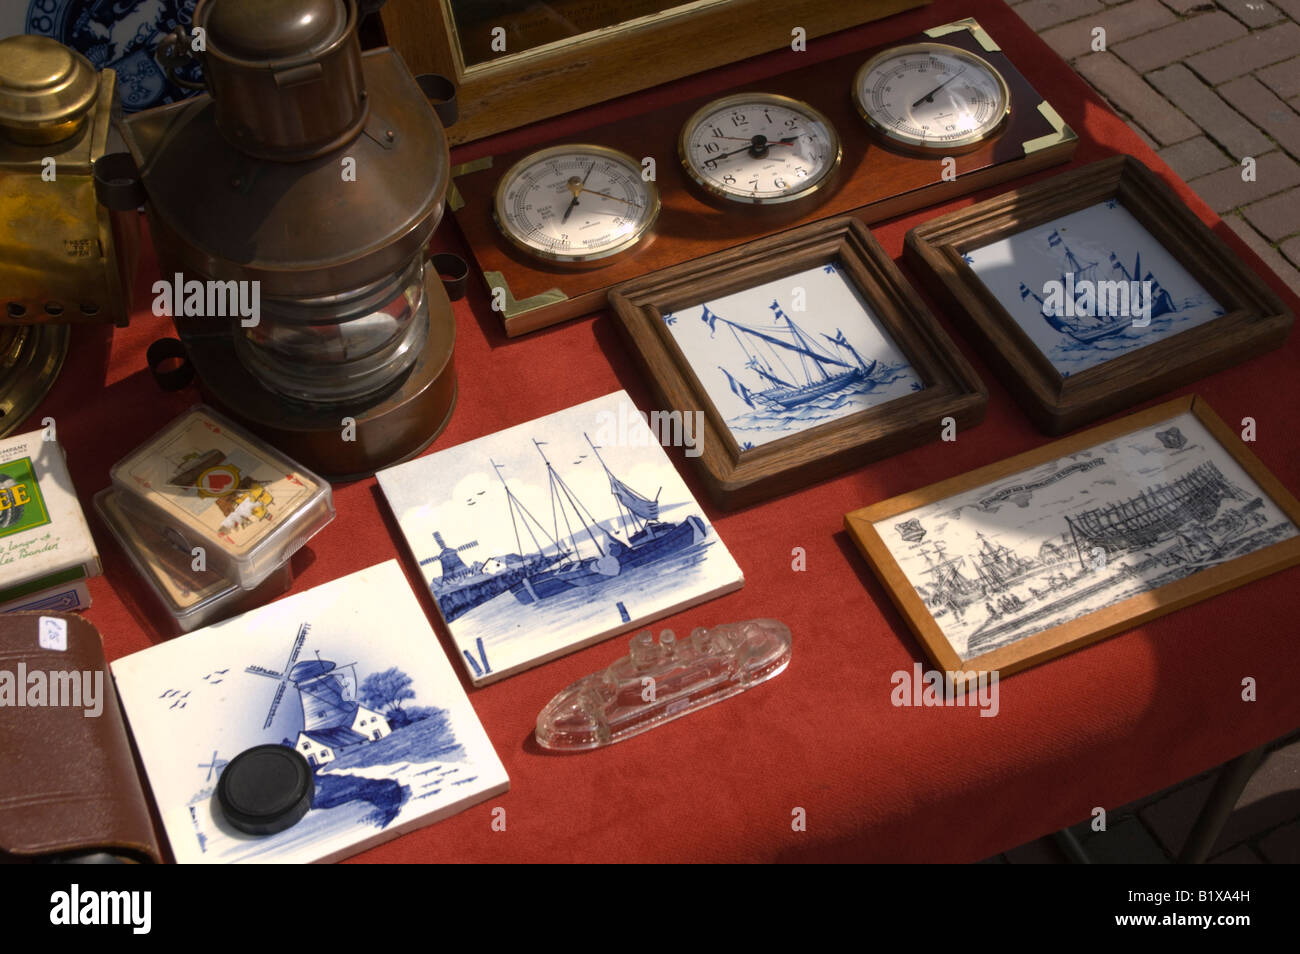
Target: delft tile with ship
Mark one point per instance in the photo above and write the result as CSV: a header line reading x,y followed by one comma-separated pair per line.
x,y
349,674
1102,243
1004,561
773,368
554,534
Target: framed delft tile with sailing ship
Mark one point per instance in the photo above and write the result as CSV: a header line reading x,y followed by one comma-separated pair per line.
x,y
802,355
554,534
1096,289
1023,560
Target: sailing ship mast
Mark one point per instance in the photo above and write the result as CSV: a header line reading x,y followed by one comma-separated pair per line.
x,y
818,370
802,339
1083,324
1161,301
841,342
513,503
634,510
560,492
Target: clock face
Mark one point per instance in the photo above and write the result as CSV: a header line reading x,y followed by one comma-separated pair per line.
x,y
759,148
931,96
576,203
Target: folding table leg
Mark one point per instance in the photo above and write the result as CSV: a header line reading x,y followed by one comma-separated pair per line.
x,y
1223,799
1072,848
1232,780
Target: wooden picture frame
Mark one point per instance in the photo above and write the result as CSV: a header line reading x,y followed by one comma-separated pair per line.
x,y
1003,485
842,246
521,86
1254,319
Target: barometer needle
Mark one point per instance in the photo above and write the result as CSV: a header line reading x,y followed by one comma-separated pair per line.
x,y
930,95
577,189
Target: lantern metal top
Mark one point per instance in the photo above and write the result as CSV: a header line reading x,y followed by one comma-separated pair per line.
x,y
46,89
302,229
277,31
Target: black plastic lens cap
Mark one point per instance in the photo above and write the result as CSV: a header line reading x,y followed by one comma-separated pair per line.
x,y
266,789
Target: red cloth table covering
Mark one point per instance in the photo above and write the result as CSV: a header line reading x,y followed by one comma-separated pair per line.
x,y
1099,727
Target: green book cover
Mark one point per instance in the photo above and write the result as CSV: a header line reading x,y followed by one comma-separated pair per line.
x,y
44,537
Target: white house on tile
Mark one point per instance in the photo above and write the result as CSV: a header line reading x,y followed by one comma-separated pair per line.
x,y
370,725
320,746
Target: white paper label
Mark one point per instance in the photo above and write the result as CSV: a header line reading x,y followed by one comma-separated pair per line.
x,y
53,633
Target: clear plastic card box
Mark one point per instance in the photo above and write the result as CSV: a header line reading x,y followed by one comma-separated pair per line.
x,y
192,598
215,491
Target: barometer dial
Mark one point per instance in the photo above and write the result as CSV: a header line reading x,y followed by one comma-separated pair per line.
x,y
931,96
576,203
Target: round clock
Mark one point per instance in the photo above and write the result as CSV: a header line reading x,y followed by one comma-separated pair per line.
x,y
759,148
575,203
931,97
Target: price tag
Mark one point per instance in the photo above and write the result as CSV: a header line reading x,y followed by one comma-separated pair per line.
x,y
53,633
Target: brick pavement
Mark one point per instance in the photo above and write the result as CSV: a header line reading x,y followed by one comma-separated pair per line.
x,y
1208,84
1264,828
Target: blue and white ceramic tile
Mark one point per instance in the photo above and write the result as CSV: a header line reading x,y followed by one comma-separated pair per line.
x,y
1102,243
351,675
787,355
548,536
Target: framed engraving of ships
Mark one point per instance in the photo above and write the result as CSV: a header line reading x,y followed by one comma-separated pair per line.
x,y
1023,560
1094,290
802,355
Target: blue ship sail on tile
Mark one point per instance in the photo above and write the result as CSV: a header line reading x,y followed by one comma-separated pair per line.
x,y
576,551
793,368
1084,327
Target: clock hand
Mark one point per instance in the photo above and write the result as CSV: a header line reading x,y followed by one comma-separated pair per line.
x,y
757,146
576,187
930,95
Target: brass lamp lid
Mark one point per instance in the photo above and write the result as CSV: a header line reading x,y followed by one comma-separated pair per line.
x,y
46,89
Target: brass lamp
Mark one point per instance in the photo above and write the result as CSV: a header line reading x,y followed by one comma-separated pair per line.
x,y
318,173
63,257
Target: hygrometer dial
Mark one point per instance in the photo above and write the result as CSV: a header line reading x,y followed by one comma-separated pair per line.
x,y
759,148
576,203
931,97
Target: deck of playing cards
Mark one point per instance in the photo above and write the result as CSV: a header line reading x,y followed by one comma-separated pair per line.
x,y
46,550
209,516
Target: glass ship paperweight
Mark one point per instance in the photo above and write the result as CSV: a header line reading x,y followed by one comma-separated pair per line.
x,y
661,681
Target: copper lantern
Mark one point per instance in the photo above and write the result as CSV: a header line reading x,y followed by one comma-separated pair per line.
x,y
313,174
